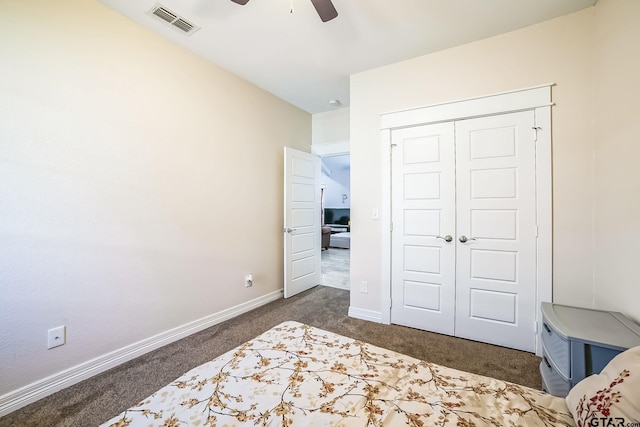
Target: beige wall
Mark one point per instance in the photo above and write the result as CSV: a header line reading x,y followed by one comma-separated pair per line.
x,y
138,185
617,156
560,51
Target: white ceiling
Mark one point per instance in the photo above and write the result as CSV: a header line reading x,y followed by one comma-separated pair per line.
x,y
307,62
340,163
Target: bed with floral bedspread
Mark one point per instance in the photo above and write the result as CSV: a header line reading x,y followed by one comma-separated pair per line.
x,y
294,374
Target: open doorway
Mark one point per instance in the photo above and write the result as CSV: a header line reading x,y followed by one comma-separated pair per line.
x,y
336,220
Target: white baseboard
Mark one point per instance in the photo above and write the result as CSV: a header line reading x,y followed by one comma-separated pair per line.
x,y
361,313
37,390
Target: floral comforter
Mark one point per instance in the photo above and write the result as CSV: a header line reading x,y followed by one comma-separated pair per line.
x,y
295,374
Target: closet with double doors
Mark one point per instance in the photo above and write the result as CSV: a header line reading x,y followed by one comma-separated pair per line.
x,y
464,240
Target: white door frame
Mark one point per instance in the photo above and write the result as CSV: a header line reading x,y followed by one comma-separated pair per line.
x,y
537,99
331,149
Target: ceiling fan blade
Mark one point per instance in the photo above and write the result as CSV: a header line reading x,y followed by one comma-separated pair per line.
x,y
325,9
242,2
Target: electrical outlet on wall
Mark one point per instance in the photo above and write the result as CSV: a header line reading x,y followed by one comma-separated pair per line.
x,y
248,280
56,337
364,287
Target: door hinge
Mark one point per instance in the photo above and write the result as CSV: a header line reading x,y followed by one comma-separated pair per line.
x,y
535,132
391,227
536,231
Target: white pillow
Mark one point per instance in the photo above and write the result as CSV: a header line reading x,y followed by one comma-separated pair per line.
x,y
610,398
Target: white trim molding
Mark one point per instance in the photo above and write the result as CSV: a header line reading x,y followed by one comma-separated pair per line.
x,y
331,148
536,99
42,388
363,314
500,103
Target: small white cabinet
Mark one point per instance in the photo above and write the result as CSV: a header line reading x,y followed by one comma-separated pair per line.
x,y
578,342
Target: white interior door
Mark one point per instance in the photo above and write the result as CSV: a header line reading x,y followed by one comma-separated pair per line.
x,y
423,211
302,232
474,181
496,214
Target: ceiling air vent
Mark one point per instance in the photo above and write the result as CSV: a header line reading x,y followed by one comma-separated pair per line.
x,y
173,19
185,26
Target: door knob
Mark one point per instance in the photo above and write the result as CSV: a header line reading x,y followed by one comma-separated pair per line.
x,y
289,230
446,238
464,239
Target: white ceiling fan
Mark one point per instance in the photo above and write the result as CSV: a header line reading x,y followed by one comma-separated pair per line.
x,y
325,8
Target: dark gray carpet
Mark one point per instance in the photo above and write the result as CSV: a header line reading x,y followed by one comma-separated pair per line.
x,y
100,398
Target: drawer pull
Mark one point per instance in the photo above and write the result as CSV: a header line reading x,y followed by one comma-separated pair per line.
x,y
546,362
546,328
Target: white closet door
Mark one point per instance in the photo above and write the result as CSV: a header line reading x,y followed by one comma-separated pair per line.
x,y
473,180
496,212
423,208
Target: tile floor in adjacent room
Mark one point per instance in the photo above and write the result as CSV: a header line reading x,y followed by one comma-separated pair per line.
x,y
335,268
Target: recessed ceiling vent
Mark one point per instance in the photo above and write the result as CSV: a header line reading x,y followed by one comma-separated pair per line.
x,y
173,19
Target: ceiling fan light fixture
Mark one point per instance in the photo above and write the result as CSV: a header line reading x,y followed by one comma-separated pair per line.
x,y
325,8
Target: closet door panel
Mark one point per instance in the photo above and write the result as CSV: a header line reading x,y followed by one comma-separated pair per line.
x,y
423,208
496,258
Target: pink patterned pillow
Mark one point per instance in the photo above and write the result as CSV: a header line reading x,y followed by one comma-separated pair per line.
x,y
610,398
